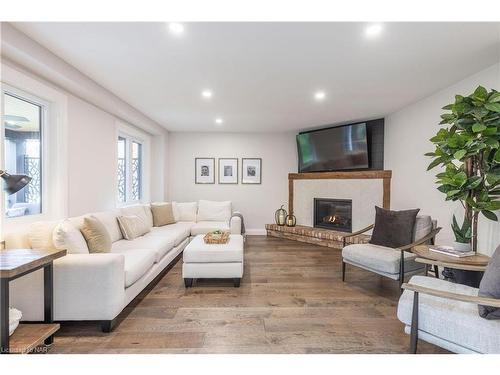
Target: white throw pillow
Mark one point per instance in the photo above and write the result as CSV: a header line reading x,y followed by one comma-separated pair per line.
x,y
137,210
214,211
185,211
133,226
108,219
67,237
40,235
149,214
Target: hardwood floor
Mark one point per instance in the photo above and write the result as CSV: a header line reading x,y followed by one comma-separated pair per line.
x,y
291,300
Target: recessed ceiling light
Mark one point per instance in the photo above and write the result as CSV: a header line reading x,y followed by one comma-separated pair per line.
x,y
319,95
176,28
373,30
207,94
219,121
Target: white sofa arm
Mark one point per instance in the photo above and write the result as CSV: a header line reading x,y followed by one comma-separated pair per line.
x,y
235,224
86,287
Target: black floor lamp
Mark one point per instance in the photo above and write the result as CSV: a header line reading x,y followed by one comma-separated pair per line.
x,y
14,182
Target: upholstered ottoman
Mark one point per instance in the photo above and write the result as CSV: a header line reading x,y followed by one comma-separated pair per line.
x,y
213,261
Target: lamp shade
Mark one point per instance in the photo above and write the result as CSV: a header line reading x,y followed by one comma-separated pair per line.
x,y
14,182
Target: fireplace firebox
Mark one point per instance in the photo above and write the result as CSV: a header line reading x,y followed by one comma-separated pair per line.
x,y
335,214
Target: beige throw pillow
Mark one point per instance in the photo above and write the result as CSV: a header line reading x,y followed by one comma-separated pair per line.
x,y
163,214
96,235
132,226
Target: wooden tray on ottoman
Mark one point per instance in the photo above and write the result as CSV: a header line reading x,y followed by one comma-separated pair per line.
x,y
216,238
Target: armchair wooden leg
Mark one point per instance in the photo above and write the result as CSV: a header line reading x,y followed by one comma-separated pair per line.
x,y
436,272
343,271
414,325
401,270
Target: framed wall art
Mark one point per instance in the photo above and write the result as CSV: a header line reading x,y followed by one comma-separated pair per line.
x,y
204,170
251,170
228,170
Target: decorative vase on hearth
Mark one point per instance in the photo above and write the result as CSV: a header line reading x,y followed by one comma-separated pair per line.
x,y
291,220
280,216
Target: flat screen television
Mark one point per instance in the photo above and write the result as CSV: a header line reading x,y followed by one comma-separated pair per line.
x,y
333,149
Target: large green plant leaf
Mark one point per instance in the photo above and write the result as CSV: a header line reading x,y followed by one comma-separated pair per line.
x,y
490,215
495,107
480,94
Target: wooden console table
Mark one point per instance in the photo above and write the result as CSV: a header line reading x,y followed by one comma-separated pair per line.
x,y
15,263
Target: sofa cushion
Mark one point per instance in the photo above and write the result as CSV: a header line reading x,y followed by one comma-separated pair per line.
x,y
393,228
203,227
160,245
379,258
137,262
40,235
490,286
149,214
423,226
67,237
108,219
137,210
185,211
133,226
179,231
96,235
199,252
163,214
452,321
213,211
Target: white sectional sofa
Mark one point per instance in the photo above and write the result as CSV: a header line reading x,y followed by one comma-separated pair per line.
x,y
99,286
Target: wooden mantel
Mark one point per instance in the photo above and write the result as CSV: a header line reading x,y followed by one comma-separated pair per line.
x,y
355,175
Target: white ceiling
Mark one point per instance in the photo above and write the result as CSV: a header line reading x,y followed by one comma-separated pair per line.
x,y
263,75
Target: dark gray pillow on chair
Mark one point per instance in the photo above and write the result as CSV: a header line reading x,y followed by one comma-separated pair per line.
x,y
393,228
490,286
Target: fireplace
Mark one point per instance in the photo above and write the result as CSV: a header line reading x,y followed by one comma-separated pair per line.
x,y
335,214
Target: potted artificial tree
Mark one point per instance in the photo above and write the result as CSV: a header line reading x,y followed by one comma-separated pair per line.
x,y
468,148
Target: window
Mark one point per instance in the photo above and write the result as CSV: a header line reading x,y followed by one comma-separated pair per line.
x,y
23,152
129,169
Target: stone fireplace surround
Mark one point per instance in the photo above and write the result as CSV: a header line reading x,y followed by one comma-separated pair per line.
x,y
365,188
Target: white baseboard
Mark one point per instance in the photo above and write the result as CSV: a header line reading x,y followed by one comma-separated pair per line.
x,y
255,232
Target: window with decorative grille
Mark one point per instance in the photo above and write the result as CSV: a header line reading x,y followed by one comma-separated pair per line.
x,y
129,170
23,143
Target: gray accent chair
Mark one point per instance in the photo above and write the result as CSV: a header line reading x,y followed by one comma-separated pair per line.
x,y
446,314
394,263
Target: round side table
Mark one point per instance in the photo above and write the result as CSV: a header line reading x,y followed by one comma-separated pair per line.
x,y
466,270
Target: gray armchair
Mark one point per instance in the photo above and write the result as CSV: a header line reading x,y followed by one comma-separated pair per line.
x,y
446,314
394,263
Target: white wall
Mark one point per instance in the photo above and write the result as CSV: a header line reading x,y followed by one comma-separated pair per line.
x,y
407,134
91,158
257,202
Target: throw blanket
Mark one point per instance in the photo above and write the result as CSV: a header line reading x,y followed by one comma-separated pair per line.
x,y
237,214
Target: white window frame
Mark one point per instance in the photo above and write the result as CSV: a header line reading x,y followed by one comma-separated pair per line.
x,y
131,134
54,146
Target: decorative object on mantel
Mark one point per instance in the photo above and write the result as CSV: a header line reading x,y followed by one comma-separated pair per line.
x,y
468,148
218,237
291,220
204,170
228,170
280,216
251,170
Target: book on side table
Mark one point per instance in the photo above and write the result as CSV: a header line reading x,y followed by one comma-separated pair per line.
x,y
449,250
